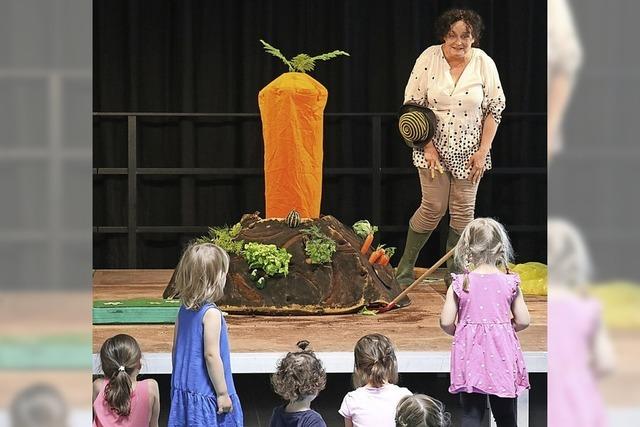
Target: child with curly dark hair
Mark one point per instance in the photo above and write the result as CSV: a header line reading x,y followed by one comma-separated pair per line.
x,y
299,378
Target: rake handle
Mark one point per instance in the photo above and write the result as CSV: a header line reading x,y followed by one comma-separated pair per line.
x,y
433,268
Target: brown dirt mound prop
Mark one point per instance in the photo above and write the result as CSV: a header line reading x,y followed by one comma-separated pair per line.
x,y
345,285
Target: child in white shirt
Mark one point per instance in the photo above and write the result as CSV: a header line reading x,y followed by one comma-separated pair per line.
x,y
373,403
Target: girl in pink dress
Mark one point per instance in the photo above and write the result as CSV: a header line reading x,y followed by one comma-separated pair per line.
x,y
580,350
118,398
483,310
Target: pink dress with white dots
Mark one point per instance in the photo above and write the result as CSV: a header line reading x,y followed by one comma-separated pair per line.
x,y
486,356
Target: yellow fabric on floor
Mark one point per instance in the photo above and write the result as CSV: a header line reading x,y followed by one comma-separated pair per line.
x,y
533,277
620,301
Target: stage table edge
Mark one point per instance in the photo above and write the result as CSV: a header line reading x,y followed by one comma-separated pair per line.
x,y
334,362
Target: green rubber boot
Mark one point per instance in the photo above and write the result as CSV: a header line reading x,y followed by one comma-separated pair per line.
x,y
415,242
452,241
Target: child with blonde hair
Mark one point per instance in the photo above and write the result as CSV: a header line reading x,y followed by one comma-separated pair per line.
x,y
486,358
299,378
421,410
580,352
118,398
374,401
202,389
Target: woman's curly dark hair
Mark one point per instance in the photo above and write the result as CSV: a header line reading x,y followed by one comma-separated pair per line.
x,y
471,18
299,374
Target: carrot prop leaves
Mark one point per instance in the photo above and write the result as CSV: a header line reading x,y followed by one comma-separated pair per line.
x,y
302,62
386,256
365,231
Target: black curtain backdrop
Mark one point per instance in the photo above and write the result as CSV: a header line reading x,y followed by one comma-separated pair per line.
x,y
204,56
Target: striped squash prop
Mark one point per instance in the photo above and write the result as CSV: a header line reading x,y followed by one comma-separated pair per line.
x,y
293,219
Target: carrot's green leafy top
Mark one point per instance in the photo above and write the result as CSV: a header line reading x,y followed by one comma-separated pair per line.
x,y
302,62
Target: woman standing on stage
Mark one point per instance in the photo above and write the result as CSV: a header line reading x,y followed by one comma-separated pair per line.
x,y
461,85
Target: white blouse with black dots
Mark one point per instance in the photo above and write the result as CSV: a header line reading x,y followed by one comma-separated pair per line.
x,y
460,108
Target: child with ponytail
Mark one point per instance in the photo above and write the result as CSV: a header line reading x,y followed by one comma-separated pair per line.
x,y
119,399
374,401
483,310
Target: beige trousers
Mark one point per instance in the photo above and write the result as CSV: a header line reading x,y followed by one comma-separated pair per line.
x,y
442,192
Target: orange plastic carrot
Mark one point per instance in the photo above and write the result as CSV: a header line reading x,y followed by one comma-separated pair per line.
x,y
367,244
386,256
376,254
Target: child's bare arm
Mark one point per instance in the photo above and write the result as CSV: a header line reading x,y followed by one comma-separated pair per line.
x,y
348,422
175,336
97,386
154,391
603,357
212,324
449,312
520,312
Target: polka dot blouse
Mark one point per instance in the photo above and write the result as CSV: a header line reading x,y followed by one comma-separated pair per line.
x,y
460,108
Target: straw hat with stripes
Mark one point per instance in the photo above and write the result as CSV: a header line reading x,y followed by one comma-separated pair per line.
x,y
417,124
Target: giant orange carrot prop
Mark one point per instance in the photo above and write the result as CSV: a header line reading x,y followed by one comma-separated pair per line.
x,y
292,109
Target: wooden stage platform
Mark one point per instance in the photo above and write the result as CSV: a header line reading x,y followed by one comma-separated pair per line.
x,y
258,341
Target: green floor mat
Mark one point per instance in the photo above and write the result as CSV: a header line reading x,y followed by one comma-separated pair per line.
x,y
135,311
69,351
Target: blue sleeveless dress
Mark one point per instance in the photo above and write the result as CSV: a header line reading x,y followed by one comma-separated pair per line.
x,y
193,398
